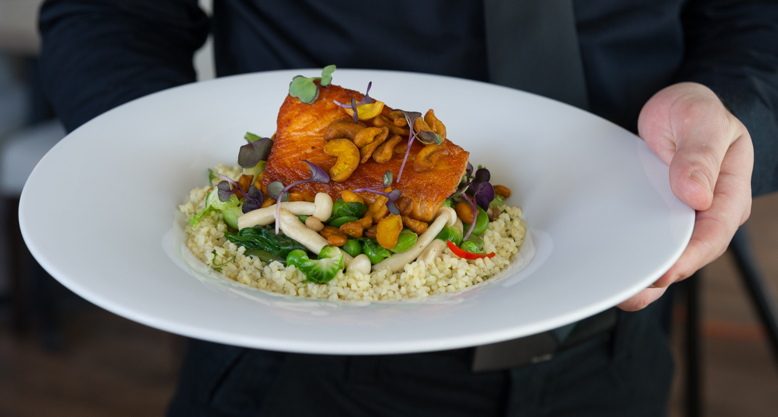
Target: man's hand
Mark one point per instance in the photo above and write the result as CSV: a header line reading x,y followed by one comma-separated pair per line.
x,y
711,159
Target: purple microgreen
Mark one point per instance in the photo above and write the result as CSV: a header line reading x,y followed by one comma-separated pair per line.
x,y
469,169
392,207
367,99
251,153
483,192
429,137
225,191
274,189
228,179
482,175
388,177
317,175
474,210
410,117
326,75
354,109
253,199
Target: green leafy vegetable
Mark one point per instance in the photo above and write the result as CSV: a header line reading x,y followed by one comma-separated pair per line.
x,y
263,238
375,252
353,209
352,247
321,270
251,137
405,241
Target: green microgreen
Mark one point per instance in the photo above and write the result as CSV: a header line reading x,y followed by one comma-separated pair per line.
x,y
306,89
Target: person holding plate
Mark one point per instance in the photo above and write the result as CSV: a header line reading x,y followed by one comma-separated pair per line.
x,y
696,79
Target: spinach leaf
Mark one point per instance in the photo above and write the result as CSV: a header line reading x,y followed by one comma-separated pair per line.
x,y
264,239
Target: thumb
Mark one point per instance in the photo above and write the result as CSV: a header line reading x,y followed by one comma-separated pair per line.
x,y
701,130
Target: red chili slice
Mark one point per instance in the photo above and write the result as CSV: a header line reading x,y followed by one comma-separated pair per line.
x,y
465,254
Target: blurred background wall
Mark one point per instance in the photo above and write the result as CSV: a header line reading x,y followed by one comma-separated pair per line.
x,y
61,356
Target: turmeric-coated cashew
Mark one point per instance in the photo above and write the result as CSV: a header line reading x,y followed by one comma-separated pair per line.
x,y
348,158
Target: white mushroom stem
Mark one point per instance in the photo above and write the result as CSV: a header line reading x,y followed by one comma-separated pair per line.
x,y
452,215
360,263
321,208
266,215
399,260
323,203
432,251
295,229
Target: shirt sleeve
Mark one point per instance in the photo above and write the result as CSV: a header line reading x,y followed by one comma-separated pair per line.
x,y
732,47
98,54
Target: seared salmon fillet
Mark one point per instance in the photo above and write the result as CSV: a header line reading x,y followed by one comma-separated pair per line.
x,y
300,135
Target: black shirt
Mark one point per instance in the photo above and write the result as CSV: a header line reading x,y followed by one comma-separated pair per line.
x,y
100,53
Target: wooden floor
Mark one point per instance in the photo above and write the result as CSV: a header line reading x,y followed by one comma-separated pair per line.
x,y
108,366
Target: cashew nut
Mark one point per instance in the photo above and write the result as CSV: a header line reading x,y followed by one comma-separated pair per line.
x,y
435,123
266,215
432,251
292,227
386,150
342,129
428,156
368,139
348,158
361,264
323,209
399,260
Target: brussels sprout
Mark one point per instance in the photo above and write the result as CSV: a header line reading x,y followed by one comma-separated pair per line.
x,y
321,270
353,209
453,233
352,247
341,220
481,222
374,251
405,241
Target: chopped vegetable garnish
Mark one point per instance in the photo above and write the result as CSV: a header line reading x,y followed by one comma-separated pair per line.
x,y
405,241
456,250
342,208
321,270
352,247
388,177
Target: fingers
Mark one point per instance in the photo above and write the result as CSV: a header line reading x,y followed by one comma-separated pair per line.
x,y
642,299
730,208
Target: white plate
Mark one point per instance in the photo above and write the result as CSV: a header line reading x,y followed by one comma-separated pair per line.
x,y
98,213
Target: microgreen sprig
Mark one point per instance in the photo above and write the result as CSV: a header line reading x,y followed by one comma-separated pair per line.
x,y
257,149
305,88
366,99
410,117
317,175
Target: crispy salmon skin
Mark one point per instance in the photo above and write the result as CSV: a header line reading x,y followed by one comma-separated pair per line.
x,y
300,135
